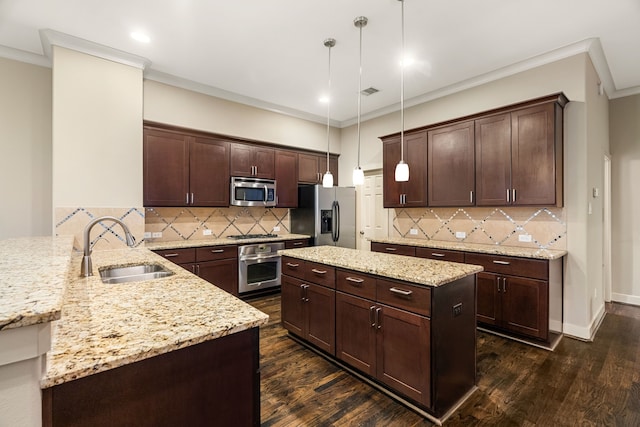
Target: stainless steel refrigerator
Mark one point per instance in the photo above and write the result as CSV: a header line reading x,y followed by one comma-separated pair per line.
x,y
328,215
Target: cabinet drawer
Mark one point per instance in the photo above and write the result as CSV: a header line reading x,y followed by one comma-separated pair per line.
x,y
211,253
320,274
416,299
524,267
179,256
393,249
356,283
293,267
441,254
298,243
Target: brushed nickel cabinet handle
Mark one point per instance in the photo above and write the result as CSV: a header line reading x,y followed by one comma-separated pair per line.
x,y
297,243
390,249
171,255
513,195
217,251
372,319
471,196
501,262
354,280
319,271
402,292
378,320
437,254
191,198
508,194
504,285
187,201
293,265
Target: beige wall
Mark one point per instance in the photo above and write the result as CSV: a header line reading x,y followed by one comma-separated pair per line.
x,y
181,107
624,116
25,149
97,131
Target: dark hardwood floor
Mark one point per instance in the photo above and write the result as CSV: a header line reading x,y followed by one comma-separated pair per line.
x,y
580,383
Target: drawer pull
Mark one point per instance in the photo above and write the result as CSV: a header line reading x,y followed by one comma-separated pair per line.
x,y
401,292
319,271
437,254
390,249
293,265
354,280
297,243
502,262
217,251
171,255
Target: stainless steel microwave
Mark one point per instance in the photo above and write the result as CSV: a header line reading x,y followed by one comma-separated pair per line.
x,y
253,192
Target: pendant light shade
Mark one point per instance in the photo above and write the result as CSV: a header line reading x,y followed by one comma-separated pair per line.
x,y
358,174
402,169
327,179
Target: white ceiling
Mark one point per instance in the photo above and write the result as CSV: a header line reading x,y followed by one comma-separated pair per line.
x,y
270,53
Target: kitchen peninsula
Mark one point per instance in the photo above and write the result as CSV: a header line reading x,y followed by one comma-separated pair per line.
x,y
174,350
404,325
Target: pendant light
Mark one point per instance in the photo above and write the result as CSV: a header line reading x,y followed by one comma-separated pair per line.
x,y
402,169
358,174
327,179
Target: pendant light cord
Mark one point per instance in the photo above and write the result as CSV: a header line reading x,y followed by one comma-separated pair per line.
x,y
402,86
330,45
362,23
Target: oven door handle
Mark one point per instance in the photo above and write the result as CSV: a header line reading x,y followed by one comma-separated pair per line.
x,y
259,258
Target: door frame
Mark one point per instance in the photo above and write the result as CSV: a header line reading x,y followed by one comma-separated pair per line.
x,y
606,229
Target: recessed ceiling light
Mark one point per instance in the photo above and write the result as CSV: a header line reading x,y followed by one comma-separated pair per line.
x,y
324,99
141,37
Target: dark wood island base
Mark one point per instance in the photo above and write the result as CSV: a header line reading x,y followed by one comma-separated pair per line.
x,y
216,382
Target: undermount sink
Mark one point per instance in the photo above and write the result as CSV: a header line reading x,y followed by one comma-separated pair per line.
x,y
133,273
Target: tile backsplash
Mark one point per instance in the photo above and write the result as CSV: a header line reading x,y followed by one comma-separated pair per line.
x,y
71,221
494,226
191,223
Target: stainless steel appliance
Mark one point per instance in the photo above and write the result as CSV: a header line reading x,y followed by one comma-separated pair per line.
x,y
253,192
259,266
328,215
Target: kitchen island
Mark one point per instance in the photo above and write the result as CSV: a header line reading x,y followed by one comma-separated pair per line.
x,y
166,351
405,325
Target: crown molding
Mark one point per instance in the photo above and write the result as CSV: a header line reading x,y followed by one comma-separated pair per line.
x,y
51,38
24,56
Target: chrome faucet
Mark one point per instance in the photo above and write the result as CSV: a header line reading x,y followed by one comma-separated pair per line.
x,y
86,269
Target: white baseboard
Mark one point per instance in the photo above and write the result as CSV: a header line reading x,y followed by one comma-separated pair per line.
x,y
626,299
585,333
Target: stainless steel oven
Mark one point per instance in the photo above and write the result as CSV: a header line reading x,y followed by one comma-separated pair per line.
x,y
259,266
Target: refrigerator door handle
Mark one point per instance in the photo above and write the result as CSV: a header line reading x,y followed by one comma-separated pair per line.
x,y
337,222
334,220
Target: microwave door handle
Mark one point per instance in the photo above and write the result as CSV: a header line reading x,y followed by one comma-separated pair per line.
x,y
266,194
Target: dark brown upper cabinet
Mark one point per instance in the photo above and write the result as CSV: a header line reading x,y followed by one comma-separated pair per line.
x,y
184,170
312,167
412,193
519,157
287,178
252,161
451,165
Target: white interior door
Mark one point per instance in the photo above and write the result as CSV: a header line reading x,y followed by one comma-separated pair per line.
x,y
372,216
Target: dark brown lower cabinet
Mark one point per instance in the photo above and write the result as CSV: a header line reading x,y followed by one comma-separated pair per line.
x,y
308,311
516,304
389,344
222,273
215,383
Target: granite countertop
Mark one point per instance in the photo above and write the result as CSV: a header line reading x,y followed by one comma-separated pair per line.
x,y
104,326
33,274
411,269
515,251
178,244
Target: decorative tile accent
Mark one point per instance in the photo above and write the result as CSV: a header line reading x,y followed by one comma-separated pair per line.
x,y
104,235
190,223
496,226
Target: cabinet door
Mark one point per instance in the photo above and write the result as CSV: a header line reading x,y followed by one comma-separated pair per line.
x,y
533,156
292,300
391,189
209,172
222,273
493,160
488,298
286,174
166,168
241,160
525,306
320,309
404,353
308,168
415,154
355,332
264,162
451,165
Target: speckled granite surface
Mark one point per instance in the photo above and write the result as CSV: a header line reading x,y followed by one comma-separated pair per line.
x,y
177,244
475,247
411,269
104,326
33,274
